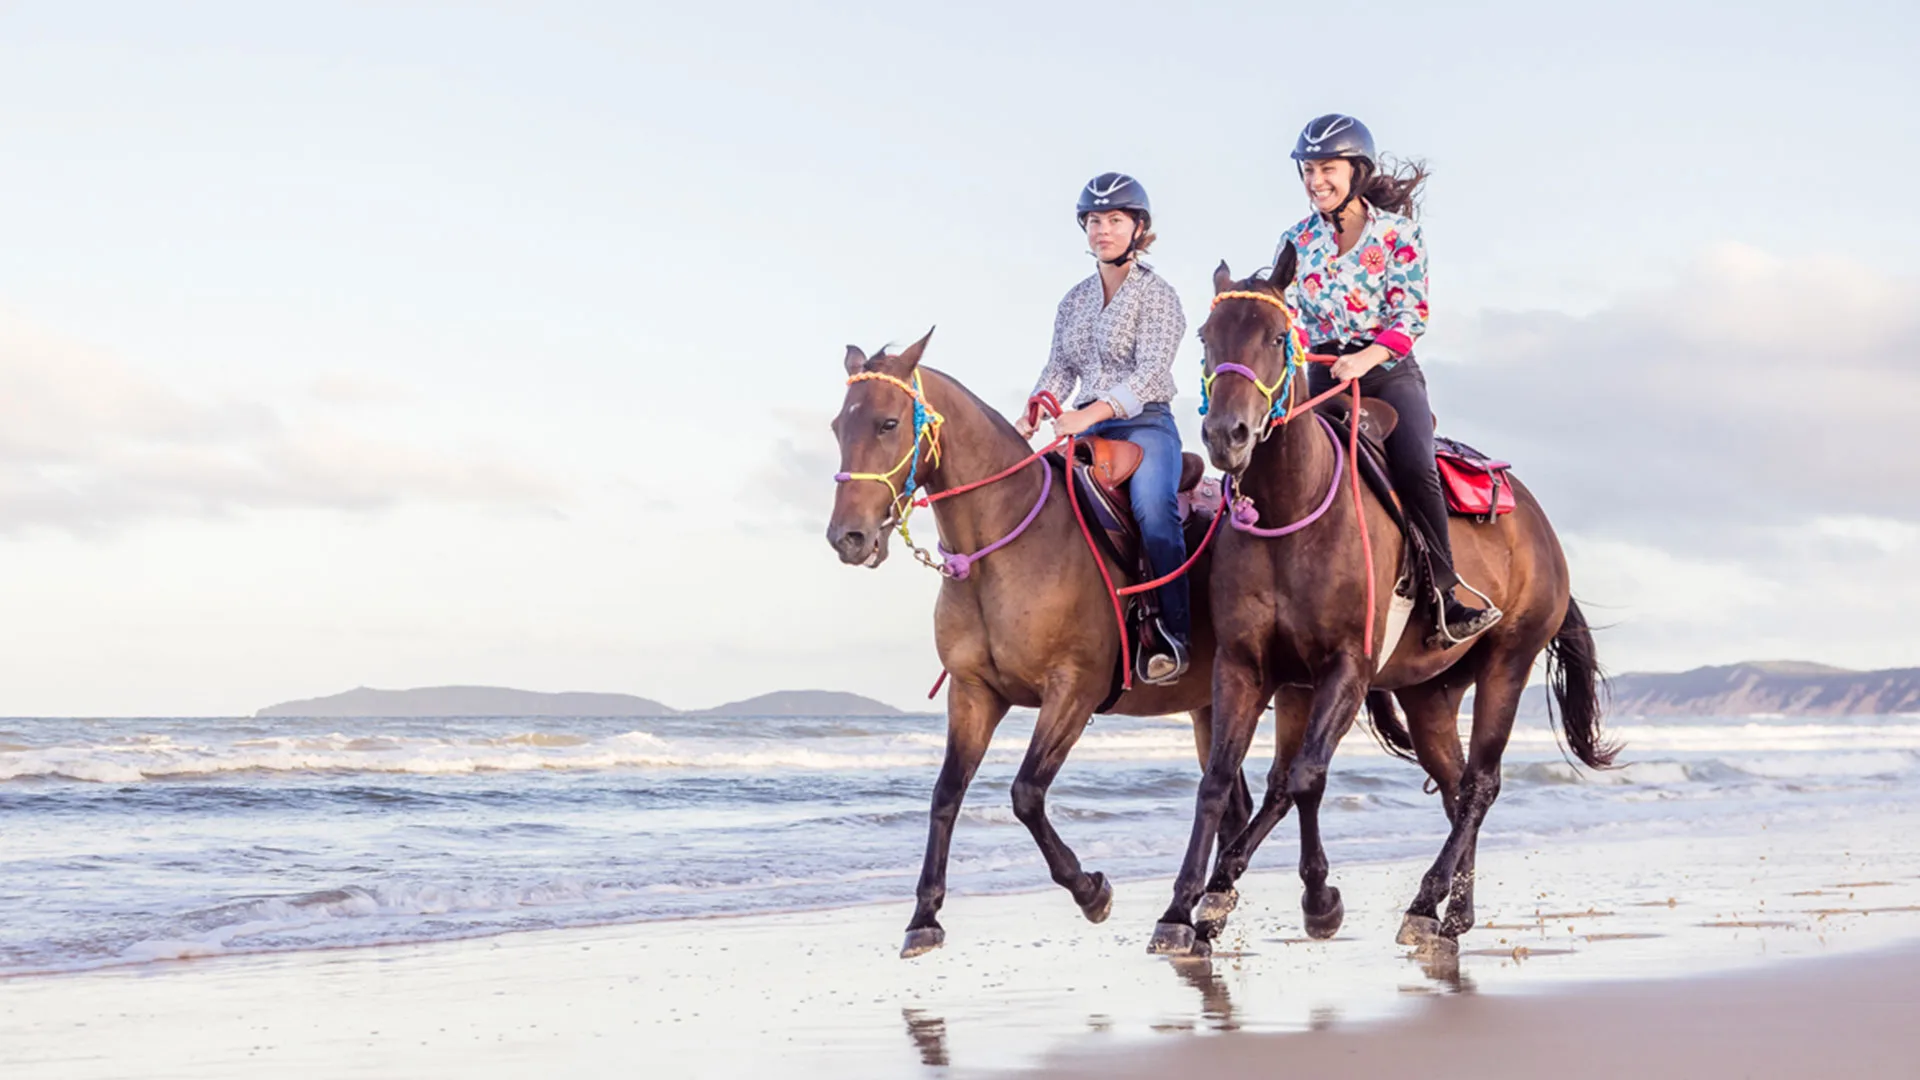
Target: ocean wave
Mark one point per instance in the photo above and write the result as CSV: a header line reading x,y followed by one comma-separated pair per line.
x,y
135,757
164,759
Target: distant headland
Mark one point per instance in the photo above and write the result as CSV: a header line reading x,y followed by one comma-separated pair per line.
x,y
1780,687
479,701
1777,687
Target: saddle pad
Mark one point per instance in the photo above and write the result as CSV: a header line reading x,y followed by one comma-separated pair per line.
x,y
1476,485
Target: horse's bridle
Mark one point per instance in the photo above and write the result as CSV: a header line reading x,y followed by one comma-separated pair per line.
x,y
1277,409
927,422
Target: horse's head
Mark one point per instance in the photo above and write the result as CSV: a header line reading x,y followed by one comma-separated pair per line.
x,y
889,438
1253,366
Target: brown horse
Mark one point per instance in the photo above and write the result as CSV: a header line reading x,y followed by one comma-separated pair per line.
x,y
1029,625
1290,619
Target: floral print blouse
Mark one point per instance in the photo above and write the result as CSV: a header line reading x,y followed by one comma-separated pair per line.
x,y
1376,292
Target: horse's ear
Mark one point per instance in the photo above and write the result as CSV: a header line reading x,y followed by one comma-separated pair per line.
x,y
856,360
910,359
1284,267
1222,277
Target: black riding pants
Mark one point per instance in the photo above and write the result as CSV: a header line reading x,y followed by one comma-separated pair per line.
x,y
1409,450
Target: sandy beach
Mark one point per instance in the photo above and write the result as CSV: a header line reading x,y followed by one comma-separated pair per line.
x,y
1596,956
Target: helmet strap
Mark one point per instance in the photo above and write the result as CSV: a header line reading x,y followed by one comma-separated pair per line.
x,y
1353,192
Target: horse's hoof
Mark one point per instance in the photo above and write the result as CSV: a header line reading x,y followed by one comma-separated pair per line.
x,y
924,940
1439,948
1102,904
1417,929
1210,914
1214,907
1322,925
1173,939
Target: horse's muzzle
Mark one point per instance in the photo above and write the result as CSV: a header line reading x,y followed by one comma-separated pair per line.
x,y
858,547
1230,442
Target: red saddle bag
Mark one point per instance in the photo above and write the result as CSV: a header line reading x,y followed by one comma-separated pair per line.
x,y
1476,485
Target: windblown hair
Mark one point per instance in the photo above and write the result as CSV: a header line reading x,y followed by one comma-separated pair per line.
x,y
1396,188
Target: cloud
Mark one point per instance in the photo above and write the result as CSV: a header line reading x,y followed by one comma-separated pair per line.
x,y
795,480
1752,391
1727,456
340,388
88,443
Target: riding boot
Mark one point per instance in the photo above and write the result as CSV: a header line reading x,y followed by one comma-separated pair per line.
x,y
1410,461
1162,653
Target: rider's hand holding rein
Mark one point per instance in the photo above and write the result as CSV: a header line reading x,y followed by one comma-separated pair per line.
x,y
1355,364
1071,422
1077,421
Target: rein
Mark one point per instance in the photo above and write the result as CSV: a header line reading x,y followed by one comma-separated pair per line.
x,y
958,566
1279,413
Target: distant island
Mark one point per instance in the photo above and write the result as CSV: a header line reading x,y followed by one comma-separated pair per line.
x,y
1783,687
498,701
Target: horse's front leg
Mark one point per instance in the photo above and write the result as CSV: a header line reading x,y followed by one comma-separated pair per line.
x,y
1064,713
1336,700
973,711
1290,708
1239,811
1237,698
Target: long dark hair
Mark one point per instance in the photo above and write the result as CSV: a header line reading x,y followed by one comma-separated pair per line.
x,y
1394,188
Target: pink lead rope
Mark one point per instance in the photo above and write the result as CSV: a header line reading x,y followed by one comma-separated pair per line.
x,y
1245,515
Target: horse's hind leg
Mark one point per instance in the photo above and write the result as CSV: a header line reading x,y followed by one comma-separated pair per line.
x,y
1063,716
1433,712
1290,708
973,711
1496,697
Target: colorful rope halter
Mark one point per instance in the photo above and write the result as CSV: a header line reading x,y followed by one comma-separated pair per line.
x,y
927,422
1295,348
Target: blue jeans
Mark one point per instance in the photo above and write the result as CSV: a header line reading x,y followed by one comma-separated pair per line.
x,y
1156,504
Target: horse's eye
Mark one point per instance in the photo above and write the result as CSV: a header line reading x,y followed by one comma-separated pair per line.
x,y
889,424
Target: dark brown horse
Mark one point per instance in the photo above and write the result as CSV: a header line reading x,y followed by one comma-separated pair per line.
x,y
1030,625
1289,616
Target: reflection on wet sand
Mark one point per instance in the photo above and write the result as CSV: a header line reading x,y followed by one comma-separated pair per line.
x,y
929,1035
1216,1001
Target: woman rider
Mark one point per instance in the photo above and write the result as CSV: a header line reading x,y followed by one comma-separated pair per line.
x,y
1360,287
1115,336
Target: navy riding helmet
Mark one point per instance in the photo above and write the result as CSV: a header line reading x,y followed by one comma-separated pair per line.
x,y
1335,135
1114,191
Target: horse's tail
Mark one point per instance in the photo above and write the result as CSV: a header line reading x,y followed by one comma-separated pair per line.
x,y
1387,727
1576,689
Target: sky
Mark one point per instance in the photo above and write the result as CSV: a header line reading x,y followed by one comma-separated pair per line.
x,y
408,344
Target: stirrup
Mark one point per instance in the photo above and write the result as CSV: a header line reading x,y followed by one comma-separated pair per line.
x,y
1447,635
1159,666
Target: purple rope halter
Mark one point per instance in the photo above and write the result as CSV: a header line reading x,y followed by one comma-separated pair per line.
x,y
957,566
1243,514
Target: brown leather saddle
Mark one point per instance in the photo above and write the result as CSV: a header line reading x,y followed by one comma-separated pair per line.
x,y
1101,470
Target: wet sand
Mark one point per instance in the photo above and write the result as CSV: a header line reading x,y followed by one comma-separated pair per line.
x,y
1852,1016
1768,940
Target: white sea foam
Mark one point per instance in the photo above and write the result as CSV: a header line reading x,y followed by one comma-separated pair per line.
x,y
128,759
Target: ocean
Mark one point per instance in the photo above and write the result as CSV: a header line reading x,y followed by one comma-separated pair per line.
x,y
131,841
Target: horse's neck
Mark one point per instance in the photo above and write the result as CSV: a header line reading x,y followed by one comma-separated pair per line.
x,y
1289,473
974,445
